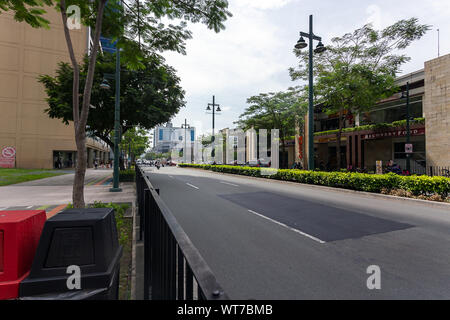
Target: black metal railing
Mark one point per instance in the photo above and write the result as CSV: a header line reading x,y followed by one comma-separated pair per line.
x,y
173,267
438,171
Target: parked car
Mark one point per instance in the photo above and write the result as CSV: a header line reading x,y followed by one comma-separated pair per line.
x,y
258,163
253,163
265,163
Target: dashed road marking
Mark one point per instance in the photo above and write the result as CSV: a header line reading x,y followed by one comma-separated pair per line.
x,y
191,185
286,226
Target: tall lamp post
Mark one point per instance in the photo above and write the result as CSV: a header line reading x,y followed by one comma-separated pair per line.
x,y
185,126
408,131
320,48
215,110
105,85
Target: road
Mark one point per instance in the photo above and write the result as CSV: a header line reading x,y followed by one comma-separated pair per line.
x,y
275,240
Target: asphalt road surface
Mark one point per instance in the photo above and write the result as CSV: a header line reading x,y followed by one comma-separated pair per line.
x,y
273,240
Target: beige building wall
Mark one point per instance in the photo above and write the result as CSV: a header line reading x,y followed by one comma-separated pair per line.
x,y
26,53
436,109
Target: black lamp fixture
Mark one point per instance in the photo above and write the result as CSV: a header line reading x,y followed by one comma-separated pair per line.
x,y
301,43
320,48
105,85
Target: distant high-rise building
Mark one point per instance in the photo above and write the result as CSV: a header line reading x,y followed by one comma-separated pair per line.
x,y
168,137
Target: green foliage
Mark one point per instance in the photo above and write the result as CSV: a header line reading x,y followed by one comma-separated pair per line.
x,y
29,11
136,140
127,175
149,97
119,213
378,126
14,175
155,155
277,110
417,185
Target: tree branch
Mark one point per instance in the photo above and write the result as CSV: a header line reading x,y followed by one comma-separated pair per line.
x,y
76,69
91,68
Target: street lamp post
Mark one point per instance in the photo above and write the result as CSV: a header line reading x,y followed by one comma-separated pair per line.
x,y
185,126
320,48
408,131
214,111
115,187
105,85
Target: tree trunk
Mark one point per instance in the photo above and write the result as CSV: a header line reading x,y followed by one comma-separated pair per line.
x,y
338,141
80,170
80,118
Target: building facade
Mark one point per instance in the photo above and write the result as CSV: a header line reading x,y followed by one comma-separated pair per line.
x,y
168,137
26,53
381,133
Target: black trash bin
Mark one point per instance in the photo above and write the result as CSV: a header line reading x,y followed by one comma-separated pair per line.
x,y
86,238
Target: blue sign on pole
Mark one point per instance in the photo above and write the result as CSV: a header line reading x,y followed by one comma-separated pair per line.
x,y
108,45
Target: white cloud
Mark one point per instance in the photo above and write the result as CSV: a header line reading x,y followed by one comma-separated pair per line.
x,y
244,54
374,13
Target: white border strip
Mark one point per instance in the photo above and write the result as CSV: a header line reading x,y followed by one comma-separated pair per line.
x,y
231,184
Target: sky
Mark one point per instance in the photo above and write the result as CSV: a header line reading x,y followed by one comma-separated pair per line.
x,y
253,54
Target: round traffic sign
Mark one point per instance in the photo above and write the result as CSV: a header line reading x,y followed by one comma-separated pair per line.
x,y
8,152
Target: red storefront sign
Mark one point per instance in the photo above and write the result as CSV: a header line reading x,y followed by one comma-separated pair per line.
x,y
395,133
8,157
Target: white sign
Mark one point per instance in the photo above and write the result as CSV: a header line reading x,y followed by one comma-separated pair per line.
x,y
408,148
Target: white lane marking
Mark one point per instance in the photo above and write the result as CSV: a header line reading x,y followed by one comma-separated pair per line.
x,y
191,185
286,226
171,177
29,207
231,184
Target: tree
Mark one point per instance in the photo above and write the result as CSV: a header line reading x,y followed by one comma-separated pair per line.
x,y
135,141
119,24
29,11
149,97
359,68
277,110
155,155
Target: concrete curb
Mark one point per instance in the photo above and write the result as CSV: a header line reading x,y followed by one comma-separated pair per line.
x,y
428,203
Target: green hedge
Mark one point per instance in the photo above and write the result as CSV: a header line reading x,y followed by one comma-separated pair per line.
x,y
378,126
127,175
417,185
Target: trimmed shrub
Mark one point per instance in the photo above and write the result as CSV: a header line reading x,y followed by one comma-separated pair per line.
x,y
127,175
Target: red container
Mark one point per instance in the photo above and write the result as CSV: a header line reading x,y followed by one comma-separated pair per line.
x,y
19,237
